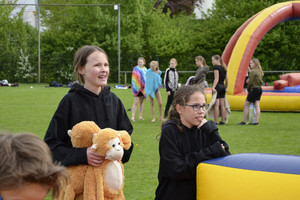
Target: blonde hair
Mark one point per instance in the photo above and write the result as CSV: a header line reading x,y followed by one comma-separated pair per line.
x,y
174,59
25,158
141,58
257,65
217,57
80,59
200,58
154,64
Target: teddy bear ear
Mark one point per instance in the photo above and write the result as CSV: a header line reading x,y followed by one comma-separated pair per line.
x,y
70,132
126,140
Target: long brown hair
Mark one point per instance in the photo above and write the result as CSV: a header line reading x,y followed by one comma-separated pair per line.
x,y
217,57
80,59
201,59
257,65
181,97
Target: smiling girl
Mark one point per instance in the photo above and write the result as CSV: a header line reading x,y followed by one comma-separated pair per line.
x,y
187,139
92,101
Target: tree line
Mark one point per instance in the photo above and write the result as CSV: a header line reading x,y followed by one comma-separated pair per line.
x,y
149,28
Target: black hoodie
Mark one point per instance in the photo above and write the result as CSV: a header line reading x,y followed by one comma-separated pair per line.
x,y
80,104
180,153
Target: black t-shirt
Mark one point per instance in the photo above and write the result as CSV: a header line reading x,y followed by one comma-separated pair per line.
x,y
222,73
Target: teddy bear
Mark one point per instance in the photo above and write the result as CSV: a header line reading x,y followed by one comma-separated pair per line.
x,y
81,137
110,174
103,182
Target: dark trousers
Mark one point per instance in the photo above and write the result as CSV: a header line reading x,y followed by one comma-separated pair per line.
x,y
169,103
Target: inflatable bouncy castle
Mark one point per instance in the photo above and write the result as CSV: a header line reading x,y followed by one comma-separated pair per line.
x,y
249,176
239,51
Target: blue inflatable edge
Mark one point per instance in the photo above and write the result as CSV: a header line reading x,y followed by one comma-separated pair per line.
x,y
288,164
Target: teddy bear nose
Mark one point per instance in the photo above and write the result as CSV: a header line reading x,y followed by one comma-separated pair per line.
x,y
118,148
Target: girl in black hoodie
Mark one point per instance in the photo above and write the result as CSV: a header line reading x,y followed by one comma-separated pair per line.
x,y
91,102
186,139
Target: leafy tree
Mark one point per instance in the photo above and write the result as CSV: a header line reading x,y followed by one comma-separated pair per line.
x,y
24,71
176,7
15,35
144,32
155,34
221,22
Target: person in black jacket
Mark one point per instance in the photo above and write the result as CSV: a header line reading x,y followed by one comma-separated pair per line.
x,y
91,102
186,139
171,83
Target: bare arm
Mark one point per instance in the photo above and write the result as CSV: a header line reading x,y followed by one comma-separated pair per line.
x,y
226,81
216,80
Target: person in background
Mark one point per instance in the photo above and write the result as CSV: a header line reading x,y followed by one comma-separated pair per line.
x,y
153,81
171,83
27,171
254,92
138,87
201,73
247,76
220,75
92,101
186,139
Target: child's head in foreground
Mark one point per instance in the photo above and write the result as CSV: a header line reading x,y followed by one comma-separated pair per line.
x,y
27,170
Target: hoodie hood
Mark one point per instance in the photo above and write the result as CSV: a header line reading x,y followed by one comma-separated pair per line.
x,y
77,88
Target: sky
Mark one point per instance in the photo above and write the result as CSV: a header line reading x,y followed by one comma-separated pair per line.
x,y
205,5
29,11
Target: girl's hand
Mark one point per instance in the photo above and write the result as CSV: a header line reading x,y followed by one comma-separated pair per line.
x,y
223,147
94,158
168,93
214,90
203,121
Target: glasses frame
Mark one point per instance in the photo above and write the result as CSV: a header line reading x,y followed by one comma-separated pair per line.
x,y
203,106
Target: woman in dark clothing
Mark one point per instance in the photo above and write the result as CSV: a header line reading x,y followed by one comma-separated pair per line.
x,y
171,83
220,75
91,102
186,139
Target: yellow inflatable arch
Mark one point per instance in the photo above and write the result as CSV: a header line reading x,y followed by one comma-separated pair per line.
x,y
239,52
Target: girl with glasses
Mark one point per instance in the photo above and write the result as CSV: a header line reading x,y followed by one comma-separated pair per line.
x,y
186,139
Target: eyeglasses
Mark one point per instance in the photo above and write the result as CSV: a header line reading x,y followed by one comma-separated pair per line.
x,y
197,107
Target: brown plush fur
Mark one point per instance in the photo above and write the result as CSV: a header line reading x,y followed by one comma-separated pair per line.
x,y
81,137
89,182
110,167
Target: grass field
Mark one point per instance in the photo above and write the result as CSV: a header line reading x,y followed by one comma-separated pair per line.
x,y
30,109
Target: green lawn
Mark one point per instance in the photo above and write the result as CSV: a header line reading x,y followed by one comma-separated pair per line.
x,y
30,109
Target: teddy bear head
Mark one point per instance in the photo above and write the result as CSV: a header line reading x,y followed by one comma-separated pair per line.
x,y
110,143
82,134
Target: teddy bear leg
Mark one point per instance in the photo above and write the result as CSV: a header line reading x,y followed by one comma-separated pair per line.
x,y
79,197
69,194
99,182
89,187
